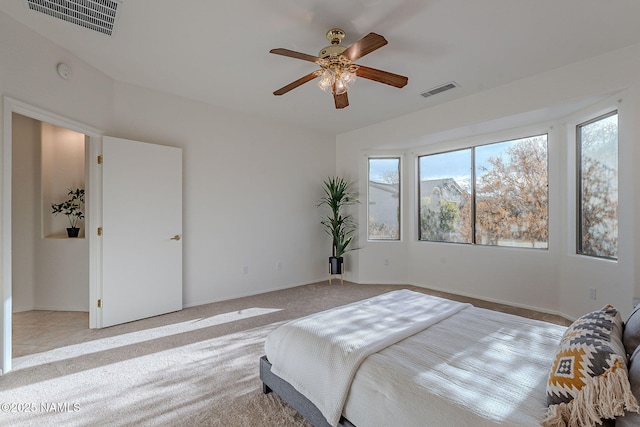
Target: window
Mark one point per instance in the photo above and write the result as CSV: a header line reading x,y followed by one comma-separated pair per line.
x,y
444,210
512,193
384,199
495,194
597,158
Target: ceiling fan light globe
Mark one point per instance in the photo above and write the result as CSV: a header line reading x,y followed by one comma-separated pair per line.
x,y
324,86
348,78
340,87
326,81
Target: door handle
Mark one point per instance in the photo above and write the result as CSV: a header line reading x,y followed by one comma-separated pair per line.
x,y
176,237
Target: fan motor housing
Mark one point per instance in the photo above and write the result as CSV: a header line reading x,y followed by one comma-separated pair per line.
x,y
333,50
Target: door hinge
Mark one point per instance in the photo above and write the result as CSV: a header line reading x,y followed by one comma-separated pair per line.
x,y
100,303
99,231
99,160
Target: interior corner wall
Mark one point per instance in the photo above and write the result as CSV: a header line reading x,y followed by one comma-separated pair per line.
x,y
62,263
25,205
552,280
250,192
62,169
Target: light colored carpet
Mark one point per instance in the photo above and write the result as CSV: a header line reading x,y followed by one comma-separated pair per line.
x,y
196,367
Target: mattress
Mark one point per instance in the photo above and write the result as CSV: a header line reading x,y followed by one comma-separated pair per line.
x,y
468,366
477,368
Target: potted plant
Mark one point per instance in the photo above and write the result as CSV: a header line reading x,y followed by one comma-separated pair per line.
x,y
338,224
72,208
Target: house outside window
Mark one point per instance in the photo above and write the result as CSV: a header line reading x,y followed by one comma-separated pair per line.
x,y
444,208
597,182
384,198
494,194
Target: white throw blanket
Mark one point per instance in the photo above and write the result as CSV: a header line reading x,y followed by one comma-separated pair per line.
x,y
320,354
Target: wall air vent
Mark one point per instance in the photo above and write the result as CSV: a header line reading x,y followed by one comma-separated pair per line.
x,y
97,15
439,89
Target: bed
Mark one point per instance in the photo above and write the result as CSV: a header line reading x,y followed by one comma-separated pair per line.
x,y
411,359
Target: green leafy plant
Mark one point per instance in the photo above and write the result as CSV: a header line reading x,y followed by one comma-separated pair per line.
x,y
338,224
72,207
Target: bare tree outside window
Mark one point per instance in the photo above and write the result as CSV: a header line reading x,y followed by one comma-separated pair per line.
x,y
598,187
495,194
512,193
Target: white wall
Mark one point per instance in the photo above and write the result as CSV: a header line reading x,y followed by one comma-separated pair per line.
x,y
555,280
62,274
28,73
250,185
26,203
250,190
63,169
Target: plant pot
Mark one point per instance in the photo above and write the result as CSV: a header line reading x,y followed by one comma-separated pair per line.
x,y
336,264
73,232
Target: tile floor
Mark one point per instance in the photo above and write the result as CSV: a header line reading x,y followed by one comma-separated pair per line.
x,y
41,330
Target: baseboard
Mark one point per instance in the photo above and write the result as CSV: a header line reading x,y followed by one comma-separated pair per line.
x,y
63,308
479,297
497,301
21,309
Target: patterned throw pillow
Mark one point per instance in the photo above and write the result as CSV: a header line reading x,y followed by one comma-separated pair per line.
x,y
588,381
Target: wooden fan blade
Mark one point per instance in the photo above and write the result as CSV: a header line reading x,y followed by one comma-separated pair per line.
x,y
380,76
341,100
294,54
365,45
299,82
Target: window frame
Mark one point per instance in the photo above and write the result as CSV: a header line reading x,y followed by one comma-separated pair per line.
x,y
578,184
419,202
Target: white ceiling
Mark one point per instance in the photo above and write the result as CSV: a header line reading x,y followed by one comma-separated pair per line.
x,y
217,52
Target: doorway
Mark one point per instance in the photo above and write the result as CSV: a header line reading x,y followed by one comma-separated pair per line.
x,y
50,271
153,226
9,190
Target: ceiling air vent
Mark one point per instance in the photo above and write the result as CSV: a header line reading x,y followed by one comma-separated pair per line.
x,y
439,89
97,15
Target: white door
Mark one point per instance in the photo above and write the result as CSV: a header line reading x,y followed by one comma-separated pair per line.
x,y
141,230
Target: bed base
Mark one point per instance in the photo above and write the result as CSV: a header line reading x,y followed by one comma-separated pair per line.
x,y
272,382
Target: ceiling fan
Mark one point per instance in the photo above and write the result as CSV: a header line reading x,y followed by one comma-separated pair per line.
x,y
337,71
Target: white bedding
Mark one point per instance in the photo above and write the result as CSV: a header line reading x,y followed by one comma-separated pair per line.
x,y
477,368
319,354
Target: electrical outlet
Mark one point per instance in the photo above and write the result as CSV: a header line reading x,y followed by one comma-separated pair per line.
x,y
592,293
245,269
386,262
279,266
